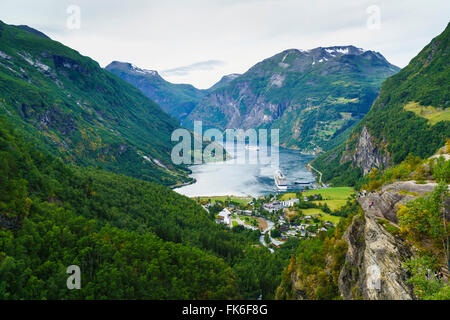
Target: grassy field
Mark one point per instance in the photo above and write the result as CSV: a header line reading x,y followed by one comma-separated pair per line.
x,y
333,204
432,114
335,198
338,193
323,216
242,200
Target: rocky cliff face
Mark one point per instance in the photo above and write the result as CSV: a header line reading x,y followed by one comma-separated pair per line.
x,y
372,269
367,154
373,266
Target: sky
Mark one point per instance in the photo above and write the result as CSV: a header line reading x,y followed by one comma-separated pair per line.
x,y
199,41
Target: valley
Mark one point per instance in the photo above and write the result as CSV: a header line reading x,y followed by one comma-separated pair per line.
x,y
87,177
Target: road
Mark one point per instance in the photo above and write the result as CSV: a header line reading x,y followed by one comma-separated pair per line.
x,y
320,173
270,226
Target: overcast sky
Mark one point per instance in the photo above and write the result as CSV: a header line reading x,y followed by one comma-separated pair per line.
x,y
199,41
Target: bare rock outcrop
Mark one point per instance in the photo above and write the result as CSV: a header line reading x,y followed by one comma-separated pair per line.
x,y
373,267
386,201
367,154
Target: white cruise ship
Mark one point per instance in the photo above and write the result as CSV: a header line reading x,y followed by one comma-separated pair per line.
x,y
280,180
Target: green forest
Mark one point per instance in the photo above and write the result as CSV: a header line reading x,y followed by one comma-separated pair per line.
x,y
131,238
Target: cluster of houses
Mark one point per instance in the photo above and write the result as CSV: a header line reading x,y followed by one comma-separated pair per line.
x,y
300,229
278,205
287,229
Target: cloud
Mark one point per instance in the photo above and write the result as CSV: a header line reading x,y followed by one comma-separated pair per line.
x,y
185,70
163,34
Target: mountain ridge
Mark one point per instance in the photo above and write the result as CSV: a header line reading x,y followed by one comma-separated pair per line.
x,y
295,90
176,99
341,83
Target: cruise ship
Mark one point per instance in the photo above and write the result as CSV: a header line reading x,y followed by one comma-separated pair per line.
x,y
280,180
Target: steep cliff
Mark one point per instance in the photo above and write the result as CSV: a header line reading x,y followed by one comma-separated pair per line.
x,y
365,256
373,265
367,154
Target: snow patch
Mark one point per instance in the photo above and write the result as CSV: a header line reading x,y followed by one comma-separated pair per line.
x,y
339,50
143,71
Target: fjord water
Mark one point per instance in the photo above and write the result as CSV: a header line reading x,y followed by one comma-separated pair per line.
x,y
250,178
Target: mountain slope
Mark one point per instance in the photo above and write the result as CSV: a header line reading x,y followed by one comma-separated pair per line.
x,y
224,81
176,99
82,112
411,115
132,239
313,96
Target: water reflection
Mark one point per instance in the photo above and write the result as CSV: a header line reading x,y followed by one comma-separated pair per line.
x,y
231,178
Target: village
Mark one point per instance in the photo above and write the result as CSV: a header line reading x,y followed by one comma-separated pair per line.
x,y
283,216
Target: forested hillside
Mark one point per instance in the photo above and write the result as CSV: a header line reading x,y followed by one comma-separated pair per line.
x,y
81,112
131,238
410,116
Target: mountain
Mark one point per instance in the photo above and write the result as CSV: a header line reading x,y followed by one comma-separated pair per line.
x,y
314,97
410,116
33,31
176,99
81,112
224,81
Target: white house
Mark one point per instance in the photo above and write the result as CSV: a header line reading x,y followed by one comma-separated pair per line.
x,y
289,203
274,206
224,216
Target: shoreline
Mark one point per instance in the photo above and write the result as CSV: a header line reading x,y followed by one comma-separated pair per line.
x,y
183,184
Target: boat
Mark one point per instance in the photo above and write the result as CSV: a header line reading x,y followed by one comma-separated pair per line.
x,y
248,147
280,180
303,182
